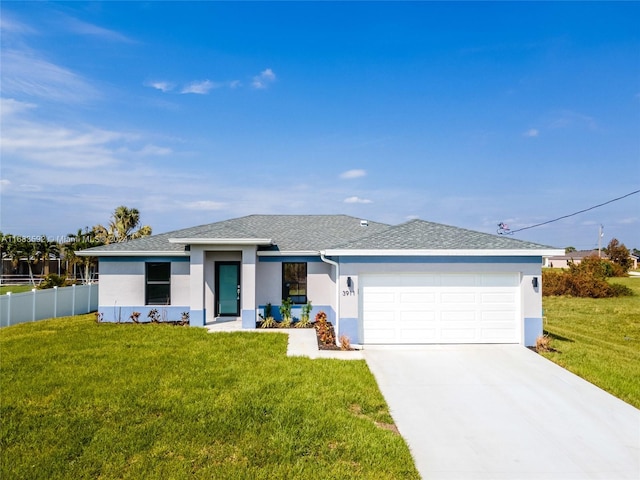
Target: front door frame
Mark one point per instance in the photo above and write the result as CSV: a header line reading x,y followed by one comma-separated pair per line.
x,y
217,313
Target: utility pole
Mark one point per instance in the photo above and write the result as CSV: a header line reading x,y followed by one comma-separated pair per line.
x,y
600,234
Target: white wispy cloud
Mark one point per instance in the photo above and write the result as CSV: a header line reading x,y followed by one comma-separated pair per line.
x,y
11,106
201,88
263,80
25,73
80,27
26,139
204,205
567,119
355,173
532,132
4,184
355,199
161,85
60,146
154,150
9,24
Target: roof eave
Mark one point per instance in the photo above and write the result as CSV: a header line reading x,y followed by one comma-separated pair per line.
x,y
542,252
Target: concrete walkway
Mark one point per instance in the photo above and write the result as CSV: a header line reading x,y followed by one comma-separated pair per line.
x,y
504,412
302,341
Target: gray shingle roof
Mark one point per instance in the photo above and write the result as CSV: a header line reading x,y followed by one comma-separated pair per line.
x,y
422,235
289,233
292,233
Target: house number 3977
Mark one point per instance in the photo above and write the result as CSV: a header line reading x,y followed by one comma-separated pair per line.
x,y
346,293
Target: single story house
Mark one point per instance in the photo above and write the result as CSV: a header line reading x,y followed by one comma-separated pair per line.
x,y
414,283
563,261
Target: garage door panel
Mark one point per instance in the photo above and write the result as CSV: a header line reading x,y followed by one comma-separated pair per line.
x,y
458,316
424,333
496,334
417,297
458,334
457,297
506,315
382,336
382,297
372,317
505,297
416,307
417,316
440,308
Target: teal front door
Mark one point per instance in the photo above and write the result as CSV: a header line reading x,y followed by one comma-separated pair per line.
x,y
227,289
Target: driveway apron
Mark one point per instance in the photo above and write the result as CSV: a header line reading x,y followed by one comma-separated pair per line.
x,y
504,412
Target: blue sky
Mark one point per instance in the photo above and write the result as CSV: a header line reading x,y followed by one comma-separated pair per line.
x,y
467,114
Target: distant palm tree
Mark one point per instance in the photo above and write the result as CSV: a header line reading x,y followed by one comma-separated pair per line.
x,y
11,250
47,248
81,241
28,250
122,227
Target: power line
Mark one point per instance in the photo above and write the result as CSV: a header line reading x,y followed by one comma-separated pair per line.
x,y
503,229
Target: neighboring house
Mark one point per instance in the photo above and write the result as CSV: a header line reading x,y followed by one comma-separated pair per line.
x,y
563,261
414,283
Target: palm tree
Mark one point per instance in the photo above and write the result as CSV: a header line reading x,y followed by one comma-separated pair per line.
x,y
28,250
122,226
9,250
81,241
46,249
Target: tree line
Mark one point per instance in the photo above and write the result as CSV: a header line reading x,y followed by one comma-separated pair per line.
x,y
124,225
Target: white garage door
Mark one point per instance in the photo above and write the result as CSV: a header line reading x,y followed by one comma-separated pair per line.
x,y
440,308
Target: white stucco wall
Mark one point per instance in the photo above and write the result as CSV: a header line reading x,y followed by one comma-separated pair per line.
x,y
268,283
123,282
320,287
180,283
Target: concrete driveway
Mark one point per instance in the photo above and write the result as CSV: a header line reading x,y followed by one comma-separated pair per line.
x,y
504,412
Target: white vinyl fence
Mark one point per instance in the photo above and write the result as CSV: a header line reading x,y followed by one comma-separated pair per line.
x,y
50,303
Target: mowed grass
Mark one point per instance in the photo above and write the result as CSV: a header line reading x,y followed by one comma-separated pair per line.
x,y
87,400
15,288
598,339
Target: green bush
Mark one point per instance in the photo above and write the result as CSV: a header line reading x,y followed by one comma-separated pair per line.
x,y
621,290
588,282
53,280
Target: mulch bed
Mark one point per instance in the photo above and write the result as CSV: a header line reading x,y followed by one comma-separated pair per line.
x,y
324,345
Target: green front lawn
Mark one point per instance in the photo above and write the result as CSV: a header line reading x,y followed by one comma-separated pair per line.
x,y
15,288
598,339
86,400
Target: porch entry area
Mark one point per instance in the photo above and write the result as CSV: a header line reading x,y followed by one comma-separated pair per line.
x,y
227,289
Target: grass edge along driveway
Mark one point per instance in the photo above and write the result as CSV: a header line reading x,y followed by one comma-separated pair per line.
x,y
598,339
86,400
